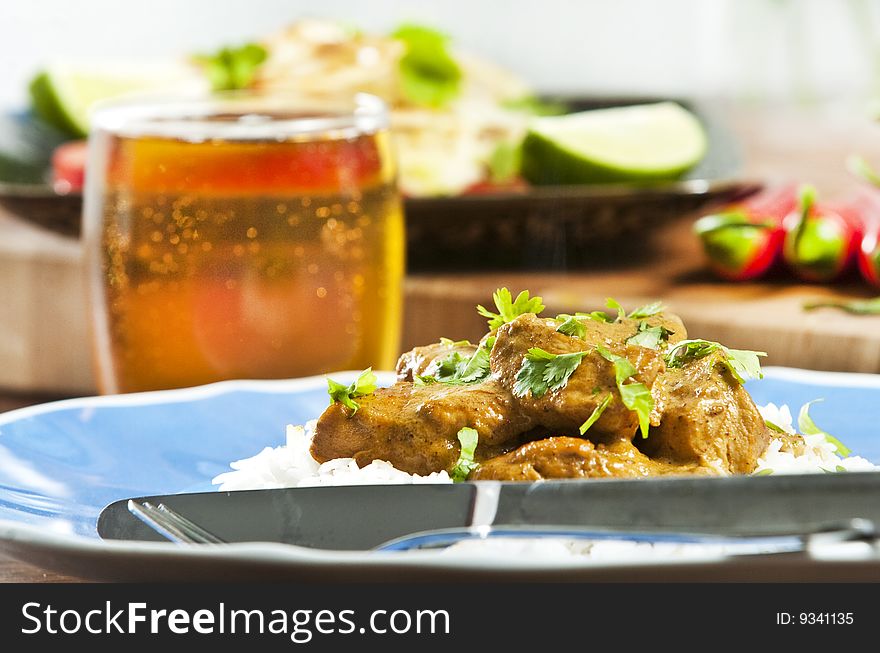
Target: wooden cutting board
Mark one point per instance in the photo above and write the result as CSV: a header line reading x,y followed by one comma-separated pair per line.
x,y
44,343
763,317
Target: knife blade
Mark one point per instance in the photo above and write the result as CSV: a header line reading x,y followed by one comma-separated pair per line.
x,y
363,517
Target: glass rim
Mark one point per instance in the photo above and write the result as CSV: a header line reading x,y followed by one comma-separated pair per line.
x,y
187,116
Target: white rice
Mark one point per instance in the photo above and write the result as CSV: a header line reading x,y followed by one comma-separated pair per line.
x,y
819,454
291,465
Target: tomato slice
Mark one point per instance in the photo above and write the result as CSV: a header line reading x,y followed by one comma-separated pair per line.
x,y
69,167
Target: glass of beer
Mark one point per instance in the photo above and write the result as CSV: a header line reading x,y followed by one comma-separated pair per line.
x,y
241,236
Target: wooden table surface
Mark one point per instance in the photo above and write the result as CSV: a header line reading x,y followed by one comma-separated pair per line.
x,y
779,144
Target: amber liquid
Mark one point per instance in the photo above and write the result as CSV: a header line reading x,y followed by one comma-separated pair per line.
x,y
222,260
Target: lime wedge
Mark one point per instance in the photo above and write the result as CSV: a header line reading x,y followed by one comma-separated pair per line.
x,y
637,143
63,93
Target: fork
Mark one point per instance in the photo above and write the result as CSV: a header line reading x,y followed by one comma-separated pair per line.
x,y
172,524
177,528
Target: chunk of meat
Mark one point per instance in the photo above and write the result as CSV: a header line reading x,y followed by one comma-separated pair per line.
x,y
415,428
566,457
424,361
564,410
706,416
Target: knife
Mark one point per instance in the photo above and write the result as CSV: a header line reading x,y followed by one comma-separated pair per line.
x,y
366,516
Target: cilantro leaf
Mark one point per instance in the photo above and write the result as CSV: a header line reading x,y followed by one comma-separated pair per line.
x,y
775,427
745,364
449,368
854,306
542,371
647,310
635,396
613,303
476,367
571,326
807,426
456,369
232,68
468,438
510,308
596,414
428,73
558,370
742,363
623,369
365,384
648,336
596,316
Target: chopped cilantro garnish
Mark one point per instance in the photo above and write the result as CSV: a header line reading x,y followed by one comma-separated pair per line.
x,y
648,336
457,369
775,427
477,366
807,426
465,464
596,414
613,303
571,326
743,363
854,306
542,371
509,308
634,396
428,73
596,316
647,310
450,367
601,316
232,68
365,384
418,379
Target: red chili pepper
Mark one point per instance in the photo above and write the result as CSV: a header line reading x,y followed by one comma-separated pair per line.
x,y
820,240
743,240
866,207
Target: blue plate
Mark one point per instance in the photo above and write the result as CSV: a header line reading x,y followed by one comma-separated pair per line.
x,y
61,463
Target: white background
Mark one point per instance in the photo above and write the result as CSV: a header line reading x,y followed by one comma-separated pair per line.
x,y
800,50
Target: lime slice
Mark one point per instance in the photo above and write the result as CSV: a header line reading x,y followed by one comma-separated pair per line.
x,y
638,143
63,94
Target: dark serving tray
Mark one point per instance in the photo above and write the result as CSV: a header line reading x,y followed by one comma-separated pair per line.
x,y
543,227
